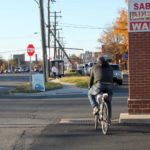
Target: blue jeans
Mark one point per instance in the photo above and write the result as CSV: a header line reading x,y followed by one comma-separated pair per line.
x,y
98,88
54,75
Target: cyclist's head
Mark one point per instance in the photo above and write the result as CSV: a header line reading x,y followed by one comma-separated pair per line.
x,y
102,60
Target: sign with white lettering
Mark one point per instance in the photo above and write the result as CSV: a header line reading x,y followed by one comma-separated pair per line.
x,y
139,15
38,82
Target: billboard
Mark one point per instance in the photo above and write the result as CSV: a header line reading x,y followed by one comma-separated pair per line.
x,y
139,15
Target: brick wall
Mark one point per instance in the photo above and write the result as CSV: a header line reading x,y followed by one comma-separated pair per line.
x,y
139,73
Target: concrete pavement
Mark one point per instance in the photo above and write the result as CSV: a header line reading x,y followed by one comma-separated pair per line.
x,y
73,91
67,90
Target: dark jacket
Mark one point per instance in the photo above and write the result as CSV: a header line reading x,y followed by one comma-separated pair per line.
x,y
101,73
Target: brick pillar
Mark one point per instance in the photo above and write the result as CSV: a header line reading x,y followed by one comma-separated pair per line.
x,y
139,73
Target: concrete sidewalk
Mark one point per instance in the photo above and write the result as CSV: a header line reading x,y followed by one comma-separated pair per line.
x,y
67,89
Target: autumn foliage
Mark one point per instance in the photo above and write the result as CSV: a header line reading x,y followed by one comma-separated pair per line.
x,y
114,39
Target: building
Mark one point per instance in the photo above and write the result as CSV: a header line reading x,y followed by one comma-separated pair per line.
x,y
86,57
20,59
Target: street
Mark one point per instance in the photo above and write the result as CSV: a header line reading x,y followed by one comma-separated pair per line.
x,y
9,81
55,56
30,124
22,121
66,123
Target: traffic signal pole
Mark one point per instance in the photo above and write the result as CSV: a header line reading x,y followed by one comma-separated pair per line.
x,y
42,22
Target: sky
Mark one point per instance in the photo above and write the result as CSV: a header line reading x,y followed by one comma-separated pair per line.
x,y
20,24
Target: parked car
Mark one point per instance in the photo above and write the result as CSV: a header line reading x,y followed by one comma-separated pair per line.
x,y
85,69
90,65
117,74
7,71
26,69
80,69
17,70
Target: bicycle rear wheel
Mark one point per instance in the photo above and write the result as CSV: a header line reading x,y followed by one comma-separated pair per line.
x,y
105,117
96,121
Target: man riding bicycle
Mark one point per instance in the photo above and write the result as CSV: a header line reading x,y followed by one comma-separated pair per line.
x,y
101,80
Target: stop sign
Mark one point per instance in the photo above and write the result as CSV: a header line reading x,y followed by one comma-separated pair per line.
x,y
30,49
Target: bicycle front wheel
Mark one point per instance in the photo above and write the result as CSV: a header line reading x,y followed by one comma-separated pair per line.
x,y
96,121
105,117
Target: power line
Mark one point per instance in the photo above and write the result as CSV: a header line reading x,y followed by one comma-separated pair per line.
x,y
86,27
77,27
81,26
36,2
21,50
18,37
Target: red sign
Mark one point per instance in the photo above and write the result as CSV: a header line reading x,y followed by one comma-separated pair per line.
x,y
139,15
139,26
30,49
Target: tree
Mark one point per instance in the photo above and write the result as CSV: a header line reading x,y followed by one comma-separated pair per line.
x,y
121,29
1,60
2,64
115,38
126,1
75,59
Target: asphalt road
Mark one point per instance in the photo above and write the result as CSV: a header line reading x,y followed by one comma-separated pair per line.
x,y
37,124
9,81
24,77
23,122
66,124
83,137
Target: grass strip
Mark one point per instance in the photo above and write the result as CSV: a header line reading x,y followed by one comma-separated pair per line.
x,y
26,87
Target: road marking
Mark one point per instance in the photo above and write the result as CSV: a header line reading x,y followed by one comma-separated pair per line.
x,y
82,121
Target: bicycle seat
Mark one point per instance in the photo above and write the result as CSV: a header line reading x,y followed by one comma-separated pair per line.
x,y
105,95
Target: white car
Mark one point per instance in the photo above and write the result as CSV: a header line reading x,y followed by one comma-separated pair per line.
x,y
90,65
117,74
17,70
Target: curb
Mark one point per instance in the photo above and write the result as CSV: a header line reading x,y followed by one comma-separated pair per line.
x,y
126,118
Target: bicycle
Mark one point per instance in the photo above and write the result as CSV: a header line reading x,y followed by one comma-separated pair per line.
x,y
102,116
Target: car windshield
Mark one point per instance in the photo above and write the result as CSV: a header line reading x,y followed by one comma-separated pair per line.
x,y
115,67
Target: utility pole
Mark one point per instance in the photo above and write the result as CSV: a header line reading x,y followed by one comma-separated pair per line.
x,y
49,26
49,35
55,33
42,22
49,40
60,52
60,46
55,49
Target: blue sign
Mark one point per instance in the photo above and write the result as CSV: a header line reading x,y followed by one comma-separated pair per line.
x,y
38,82
125,56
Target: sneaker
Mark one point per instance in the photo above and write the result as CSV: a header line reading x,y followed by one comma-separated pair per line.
x,y
95,110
